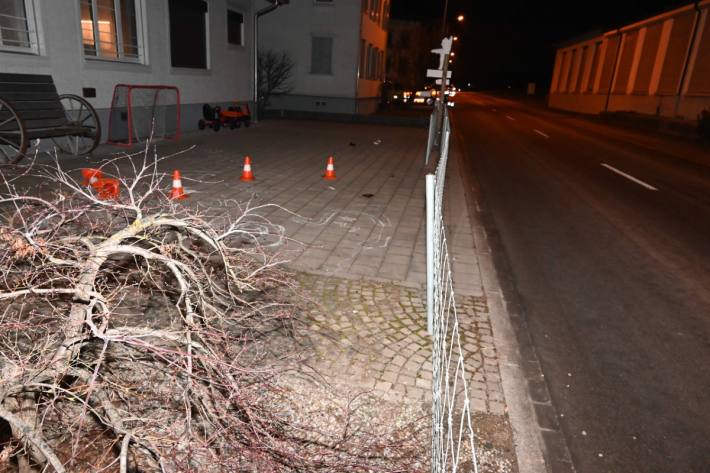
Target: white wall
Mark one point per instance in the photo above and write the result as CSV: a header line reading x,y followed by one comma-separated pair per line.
x,y
291,27
61,55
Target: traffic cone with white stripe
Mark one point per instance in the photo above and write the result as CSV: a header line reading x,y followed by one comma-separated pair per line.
x,y
91,176
177,192
247,175
329,170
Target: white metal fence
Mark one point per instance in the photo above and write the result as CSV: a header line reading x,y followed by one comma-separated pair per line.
x,y
453,440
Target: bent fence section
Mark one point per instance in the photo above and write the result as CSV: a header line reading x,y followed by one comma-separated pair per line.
x,y
453,440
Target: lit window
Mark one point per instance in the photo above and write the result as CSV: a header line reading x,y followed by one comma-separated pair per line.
x,y
110,29
235,28
321,55
17,26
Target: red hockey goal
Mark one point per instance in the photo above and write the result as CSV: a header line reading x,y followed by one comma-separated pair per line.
x,y
141,112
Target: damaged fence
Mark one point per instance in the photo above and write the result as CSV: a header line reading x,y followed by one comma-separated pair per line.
x,y
453,439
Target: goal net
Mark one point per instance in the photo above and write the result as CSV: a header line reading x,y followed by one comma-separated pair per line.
x,y
141,111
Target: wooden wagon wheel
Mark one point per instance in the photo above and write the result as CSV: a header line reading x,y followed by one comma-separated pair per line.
x,y
79,113
13,137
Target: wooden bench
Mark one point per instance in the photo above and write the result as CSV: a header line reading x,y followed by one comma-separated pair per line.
x,y
31,109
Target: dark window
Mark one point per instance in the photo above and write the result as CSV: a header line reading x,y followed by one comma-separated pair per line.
x,y
188,33
363,59
235,28
321,55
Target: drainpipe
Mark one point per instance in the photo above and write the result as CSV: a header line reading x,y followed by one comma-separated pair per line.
x,y
686,64
613,71
255,52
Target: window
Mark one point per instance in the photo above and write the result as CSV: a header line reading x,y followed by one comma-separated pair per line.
x,y
109,29
321,55
374,9
363,58
17,27
381,65
188,33
235,28
368,66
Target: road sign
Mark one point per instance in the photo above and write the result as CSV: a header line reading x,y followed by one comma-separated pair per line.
x,y
436,73
438,82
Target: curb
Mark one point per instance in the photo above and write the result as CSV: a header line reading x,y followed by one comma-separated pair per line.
x,y
373,119
533,448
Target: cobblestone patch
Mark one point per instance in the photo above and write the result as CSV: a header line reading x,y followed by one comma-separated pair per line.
x,y
372,336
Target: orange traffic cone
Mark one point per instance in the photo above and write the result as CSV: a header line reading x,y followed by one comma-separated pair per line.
x,y
91,176
329,170
247,175
177,192
108,188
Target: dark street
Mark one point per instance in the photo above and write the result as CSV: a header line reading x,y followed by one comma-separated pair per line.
x,y
606,246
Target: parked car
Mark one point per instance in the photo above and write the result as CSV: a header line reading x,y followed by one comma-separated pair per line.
x,y
425,96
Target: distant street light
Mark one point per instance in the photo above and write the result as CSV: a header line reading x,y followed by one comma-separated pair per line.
x,y
453,53
456,38
459,18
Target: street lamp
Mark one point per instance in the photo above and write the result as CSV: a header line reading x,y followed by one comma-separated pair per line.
x,y
456,38
459,18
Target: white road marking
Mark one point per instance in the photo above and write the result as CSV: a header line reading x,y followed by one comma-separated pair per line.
x,y
541,133
509,117
629,177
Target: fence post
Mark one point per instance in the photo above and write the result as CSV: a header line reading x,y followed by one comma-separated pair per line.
x,y
430,138
430,196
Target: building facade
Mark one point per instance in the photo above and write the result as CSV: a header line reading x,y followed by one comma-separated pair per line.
x,y
658,66
89,46
339,51
409,47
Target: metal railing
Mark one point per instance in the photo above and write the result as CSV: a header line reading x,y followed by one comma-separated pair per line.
x,y
453,439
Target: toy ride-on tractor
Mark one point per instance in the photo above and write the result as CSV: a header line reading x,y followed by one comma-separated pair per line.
x,y
216,118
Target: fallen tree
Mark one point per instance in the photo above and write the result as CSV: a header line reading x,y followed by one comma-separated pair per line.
x,y
136,335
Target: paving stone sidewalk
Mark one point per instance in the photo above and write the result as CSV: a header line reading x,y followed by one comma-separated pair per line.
x,y
373,336
357,243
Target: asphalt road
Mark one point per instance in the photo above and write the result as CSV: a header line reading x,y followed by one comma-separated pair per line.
x,y
605,235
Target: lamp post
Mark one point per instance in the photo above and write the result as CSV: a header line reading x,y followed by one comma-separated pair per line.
x,y
443,18
255,51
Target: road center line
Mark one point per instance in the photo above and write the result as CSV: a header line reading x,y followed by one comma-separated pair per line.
x,y
541,133
509,117
629,177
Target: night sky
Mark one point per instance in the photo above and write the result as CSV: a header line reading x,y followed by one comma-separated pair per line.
x,y
513,42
